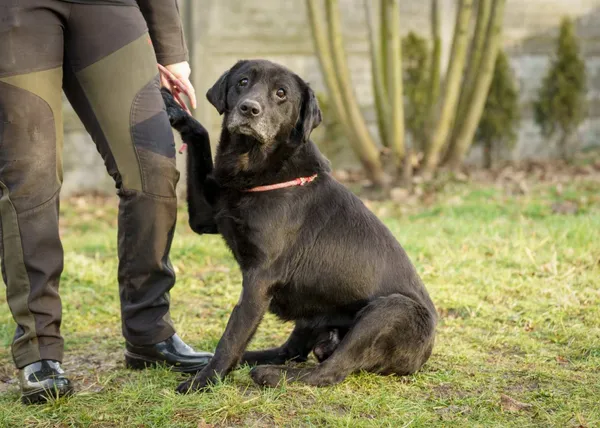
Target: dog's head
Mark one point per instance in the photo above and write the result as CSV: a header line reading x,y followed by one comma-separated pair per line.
x,y
265,101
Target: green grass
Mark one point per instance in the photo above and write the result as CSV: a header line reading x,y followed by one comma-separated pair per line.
x,y
516,285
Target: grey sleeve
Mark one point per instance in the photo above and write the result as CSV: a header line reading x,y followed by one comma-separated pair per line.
x,y
166,30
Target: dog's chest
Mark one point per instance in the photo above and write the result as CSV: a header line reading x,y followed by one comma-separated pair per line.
x,y
295,301
235,233
257,233
289,304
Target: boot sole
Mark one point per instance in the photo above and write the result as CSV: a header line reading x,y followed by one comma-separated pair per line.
x,y
40,396
139,362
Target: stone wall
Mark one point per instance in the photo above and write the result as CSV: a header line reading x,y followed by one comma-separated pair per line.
x,y
224,31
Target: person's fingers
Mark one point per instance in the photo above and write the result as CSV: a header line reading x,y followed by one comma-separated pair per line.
x,y
165,83
191,92
176,85
176,94
169,81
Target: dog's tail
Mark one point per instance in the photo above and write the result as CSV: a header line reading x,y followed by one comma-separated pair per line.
x,y
199,164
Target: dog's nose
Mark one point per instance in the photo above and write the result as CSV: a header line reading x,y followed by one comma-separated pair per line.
x,y
250,108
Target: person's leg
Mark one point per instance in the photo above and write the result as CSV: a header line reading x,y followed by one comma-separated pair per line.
x,y
111,79
31,52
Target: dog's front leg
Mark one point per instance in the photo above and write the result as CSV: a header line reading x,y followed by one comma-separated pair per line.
x,y
242,325
199,166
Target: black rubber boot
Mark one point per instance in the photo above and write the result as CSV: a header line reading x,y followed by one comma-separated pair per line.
x,y
173,353
43,381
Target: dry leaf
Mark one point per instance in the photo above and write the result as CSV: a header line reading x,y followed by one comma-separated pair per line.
x,y
509,404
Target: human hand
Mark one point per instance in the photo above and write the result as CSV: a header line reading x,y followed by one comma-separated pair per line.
x,y
176,78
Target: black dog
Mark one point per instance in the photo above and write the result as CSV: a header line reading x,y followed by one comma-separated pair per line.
x,y
309,250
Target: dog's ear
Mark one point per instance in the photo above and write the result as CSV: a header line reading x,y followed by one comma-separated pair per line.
x,y
217,95
309,117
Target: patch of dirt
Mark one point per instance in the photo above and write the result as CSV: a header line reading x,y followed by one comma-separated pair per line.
x,y
446,390
522,386
515,178
505,350
565,207
84,368
450,412
550,172
8,378
454,313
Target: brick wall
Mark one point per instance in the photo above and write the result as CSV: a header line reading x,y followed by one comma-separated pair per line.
x,y
227,30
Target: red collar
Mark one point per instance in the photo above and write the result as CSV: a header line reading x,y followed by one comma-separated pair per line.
x,y
300,181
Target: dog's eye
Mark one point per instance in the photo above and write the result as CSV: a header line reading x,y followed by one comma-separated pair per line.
x,y
243,82
280,93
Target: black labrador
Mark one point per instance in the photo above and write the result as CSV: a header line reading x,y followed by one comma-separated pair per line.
x,y
309,250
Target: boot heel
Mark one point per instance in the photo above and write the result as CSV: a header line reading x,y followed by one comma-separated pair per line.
x,y
137,363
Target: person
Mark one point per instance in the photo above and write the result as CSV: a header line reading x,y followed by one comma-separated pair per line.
x,y
103,54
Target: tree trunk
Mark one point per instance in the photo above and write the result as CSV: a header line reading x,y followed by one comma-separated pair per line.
x,y
451,87
383,40
484,8
325,59
436,53
382,105
337,76
563,146
394,84
407,169
481,87
488,155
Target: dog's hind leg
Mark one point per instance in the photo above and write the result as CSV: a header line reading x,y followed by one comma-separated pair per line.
x,y
296,348
392,335
326,343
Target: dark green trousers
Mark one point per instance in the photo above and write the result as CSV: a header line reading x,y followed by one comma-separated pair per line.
x,y
102,57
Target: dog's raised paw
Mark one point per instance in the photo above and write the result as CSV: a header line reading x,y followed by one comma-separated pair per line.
x,y
174,110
